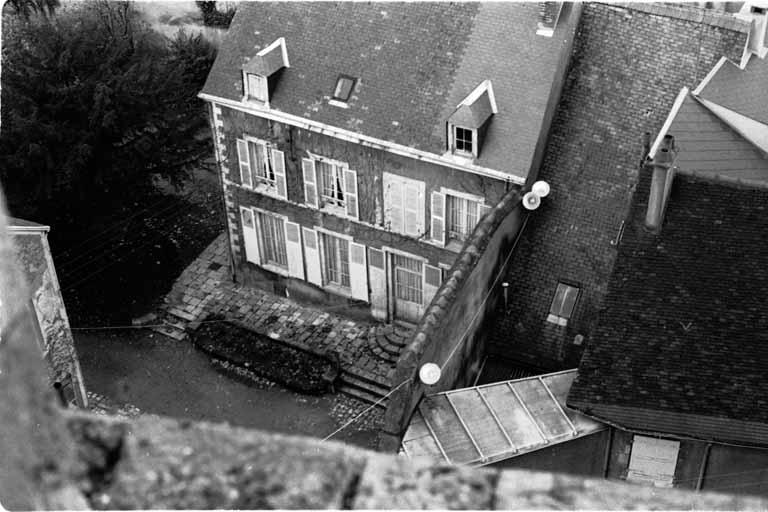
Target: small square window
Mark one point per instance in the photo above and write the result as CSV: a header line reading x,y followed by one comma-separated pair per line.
x,y
463,139
758,10
563,304
344,86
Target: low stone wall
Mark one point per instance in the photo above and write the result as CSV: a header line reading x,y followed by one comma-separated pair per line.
x,y
450,333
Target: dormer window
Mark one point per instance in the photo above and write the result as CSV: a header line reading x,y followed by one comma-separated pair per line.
x,y
261,72
758,10
463,138
257,87
469,122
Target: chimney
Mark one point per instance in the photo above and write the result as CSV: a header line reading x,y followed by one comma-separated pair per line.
x,y
661,183
549,13
755,12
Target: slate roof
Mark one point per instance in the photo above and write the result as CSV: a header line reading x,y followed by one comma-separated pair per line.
x,y
743,91
707,144
682,345
414,63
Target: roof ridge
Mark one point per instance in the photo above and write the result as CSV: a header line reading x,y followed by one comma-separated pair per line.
x,y
721,179
704,102
687,12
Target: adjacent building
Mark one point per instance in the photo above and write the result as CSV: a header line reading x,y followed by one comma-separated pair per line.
x,y
46,308
361,143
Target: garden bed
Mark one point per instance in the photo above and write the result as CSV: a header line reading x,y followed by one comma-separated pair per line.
x,y
290,367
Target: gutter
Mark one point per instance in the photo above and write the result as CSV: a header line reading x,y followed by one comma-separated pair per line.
x,y
364,140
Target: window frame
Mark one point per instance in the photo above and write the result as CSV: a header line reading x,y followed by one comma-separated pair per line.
x,y
337,169
480,201
453,129
261,183
337,86
274,267
326,283
262,89
555,316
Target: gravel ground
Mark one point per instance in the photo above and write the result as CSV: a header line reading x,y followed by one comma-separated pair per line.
x,y
161,376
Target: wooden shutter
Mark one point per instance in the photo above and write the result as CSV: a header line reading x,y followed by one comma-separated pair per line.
x,y
438,217
278,161
395,206
293,248
312,256
433,278
377,276
310,181
358,272
250,237
413,208
245,163
653,461
350,195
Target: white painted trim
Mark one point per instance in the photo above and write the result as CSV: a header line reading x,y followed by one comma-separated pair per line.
x,y
321,229
338,103
671,117
710,75
320,158
31,230
392,250
398,149
283,51
462,195
479,90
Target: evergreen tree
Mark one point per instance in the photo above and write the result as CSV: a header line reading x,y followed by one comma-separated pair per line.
x,y
94,103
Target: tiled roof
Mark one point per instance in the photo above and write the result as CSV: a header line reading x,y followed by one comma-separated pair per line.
x,y
706,144
682,345
415,62
743,91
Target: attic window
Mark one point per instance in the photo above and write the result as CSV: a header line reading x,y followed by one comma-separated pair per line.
x,y
344,86
257,87
469,122
563,304
758,10
260,73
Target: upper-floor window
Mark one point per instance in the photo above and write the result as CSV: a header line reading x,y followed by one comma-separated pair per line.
x,y
335,260
403,204
330,185
463,139
563,303
257,87
262,166
455,216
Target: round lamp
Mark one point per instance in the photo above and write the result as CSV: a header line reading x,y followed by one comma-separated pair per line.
x,y
540,188
429,374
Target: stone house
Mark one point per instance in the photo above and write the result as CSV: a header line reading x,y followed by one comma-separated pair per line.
x,y
360,144
46,310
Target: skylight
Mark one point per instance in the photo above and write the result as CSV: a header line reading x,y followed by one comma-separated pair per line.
x,y
344,86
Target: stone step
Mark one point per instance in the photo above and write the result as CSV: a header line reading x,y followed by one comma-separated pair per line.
x,y
383,348
171,332
363,395
173,310
381,384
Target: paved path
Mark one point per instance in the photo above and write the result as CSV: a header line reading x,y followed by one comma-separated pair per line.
x,y
205,288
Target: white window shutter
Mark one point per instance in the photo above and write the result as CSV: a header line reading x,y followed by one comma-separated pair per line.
x,y
433,278
438,217
350,194
377,276
250,237
312,256
245,164
396,214
310,181
293,248
358,271
278,161
413,217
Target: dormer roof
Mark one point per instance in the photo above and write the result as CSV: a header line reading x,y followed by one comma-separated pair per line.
x,y
269,60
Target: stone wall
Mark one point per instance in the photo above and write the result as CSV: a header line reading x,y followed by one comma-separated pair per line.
x,y
451,332
628,65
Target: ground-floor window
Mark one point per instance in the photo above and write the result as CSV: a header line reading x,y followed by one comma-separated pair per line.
x,y
408,279
335,260
272,245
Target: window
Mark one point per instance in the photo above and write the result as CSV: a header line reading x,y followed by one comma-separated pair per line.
x,y
462,217
272,244
257,87
563,304
262,166
335,260
653,461
758,10
344,86
331,180
403,205
408,279
463,139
